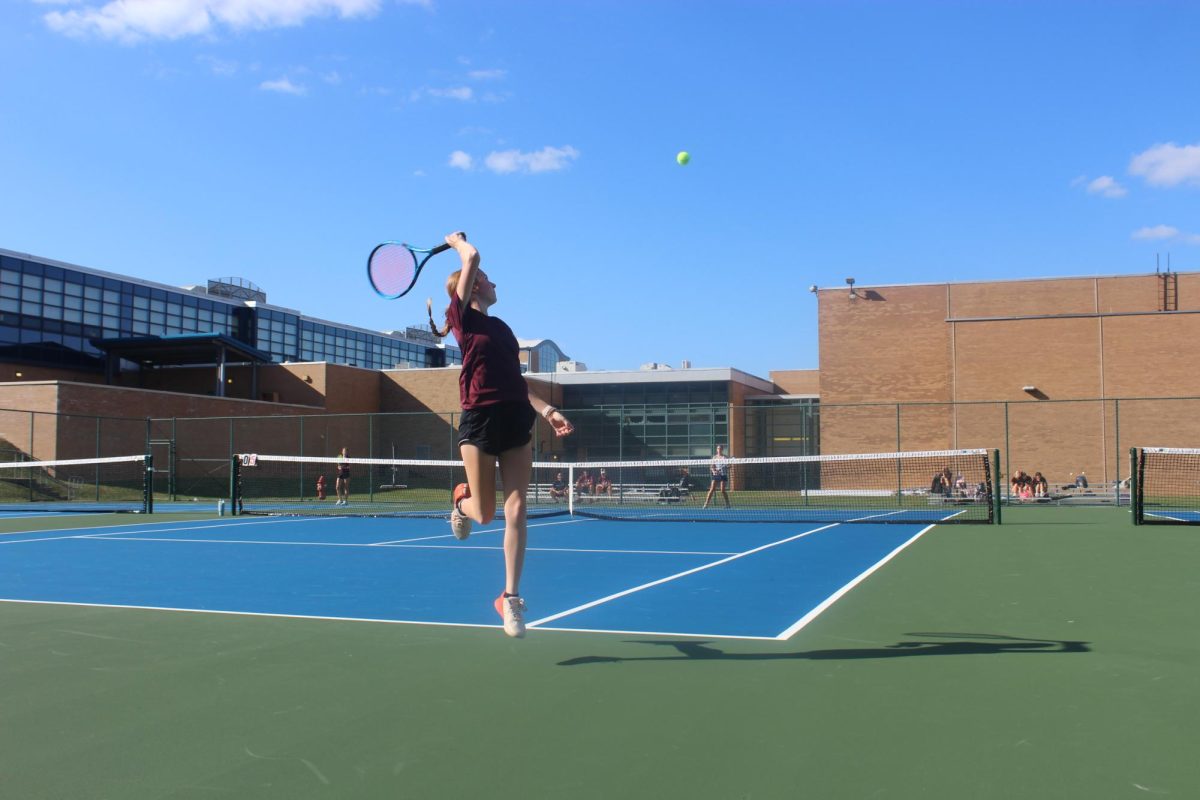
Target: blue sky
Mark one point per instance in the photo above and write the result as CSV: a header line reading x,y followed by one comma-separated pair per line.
x,y
895,142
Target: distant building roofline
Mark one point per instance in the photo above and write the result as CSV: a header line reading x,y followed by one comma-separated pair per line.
x,y
861,286
722,374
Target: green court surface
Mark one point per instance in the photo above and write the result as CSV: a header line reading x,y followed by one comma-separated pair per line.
x,y
1055,656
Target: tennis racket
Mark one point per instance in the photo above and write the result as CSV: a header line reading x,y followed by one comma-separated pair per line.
x,y
393,267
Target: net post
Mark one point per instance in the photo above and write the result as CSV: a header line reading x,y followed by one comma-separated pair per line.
x,y
235,468
571,489
148,485
994,481
1135,488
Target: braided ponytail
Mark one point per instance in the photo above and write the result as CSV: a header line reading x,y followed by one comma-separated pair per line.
x,y
451,288
441,334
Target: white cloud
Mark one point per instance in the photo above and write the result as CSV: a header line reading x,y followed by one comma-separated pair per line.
x,y
461,160
1105,186
1168,165
1156,232
283,86
137,20
548,159
1166,232
463,93
486,74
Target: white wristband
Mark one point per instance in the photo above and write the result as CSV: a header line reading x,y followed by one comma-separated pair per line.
x,y
547,411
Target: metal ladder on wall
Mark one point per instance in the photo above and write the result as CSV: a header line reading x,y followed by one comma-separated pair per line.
x,y
1170,291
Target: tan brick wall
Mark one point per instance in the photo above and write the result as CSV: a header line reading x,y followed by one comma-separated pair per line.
x,y
420,390
351,390
797,381
899,345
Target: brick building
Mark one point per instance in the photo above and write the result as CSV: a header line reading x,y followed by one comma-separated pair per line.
x,y
1044,369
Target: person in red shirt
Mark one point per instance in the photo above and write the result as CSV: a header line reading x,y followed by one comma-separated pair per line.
x,y
498,415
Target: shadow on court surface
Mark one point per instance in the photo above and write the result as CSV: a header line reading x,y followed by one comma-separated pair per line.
x,y
961,644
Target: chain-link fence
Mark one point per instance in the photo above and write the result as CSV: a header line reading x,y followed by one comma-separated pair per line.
x,y
1067,441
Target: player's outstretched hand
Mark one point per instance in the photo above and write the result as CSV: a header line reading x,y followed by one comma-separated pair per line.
x,y
562,426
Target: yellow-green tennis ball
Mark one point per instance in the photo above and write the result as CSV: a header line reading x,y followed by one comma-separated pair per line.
x,y
684,157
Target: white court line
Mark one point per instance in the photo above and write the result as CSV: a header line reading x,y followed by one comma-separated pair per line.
x,y
833,598
109,527
659,633
132,538
250,613
89,533
221,612
677,575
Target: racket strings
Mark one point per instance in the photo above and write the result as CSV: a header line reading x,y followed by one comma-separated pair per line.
x,y
392,269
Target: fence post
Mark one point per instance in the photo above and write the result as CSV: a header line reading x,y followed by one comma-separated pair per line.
x,y
97,456
1007,453
1117,446
301,456
173,484
234,468
1135,493
148,484
998,481
897,427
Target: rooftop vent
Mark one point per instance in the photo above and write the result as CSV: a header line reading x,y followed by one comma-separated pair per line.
x,y
236,289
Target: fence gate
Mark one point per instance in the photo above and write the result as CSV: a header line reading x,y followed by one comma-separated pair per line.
x,y
163,478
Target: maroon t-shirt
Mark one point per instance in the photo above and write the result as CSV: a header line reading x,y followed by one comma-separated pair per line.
x,y
491,368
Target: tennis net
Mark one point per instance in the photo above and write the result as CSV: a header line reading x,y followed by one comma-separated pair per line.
x,y
1166,486
121,483
887,487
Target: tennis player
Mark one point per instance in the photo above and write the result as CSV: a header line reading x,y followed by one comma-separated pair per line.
x,y
718,468
343,478
498,415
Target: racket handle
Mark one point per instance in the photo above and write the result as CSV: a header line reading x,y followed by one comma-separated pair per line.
x,y
441,248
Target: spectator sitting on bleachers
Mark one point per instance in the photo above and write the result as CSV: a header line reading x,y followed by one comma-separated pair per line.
x,y
558,488
680,489
1081,481
937,485
1018,479
583,484
603,484
960,486
1041,487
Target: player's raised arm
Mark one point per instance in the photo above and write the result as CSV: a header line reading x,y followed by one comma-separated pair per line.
x,y
470,265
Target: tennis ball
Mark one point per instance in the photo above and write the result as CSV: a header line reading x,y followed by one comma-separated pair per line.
x,y
683,158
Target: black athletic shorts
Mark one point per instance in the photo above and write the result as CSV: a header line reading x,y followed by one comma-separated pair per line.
x,y
494,429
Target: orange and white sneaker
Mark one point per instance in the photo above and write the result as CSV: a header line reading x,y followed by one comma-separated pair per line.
x,y
460,523
512,611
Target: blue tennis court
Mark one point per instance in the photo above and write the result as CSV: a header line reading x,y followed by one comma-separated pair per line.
x,y
710,579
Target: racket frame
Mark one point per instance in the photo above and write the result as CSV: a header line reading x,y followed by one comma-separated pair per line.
x,y
428,253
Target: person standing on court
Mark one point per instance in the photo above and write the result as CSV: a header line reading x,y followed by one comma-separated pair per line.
x,y
343,478
498,415
718,468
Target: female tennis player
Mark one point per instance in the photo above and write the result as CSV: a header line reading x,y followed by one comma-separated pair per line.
x,y
498,415
343,478
718,468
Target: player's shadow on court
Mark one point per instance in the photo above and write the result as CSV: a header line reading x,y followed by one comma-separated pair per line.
x,y
942,644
